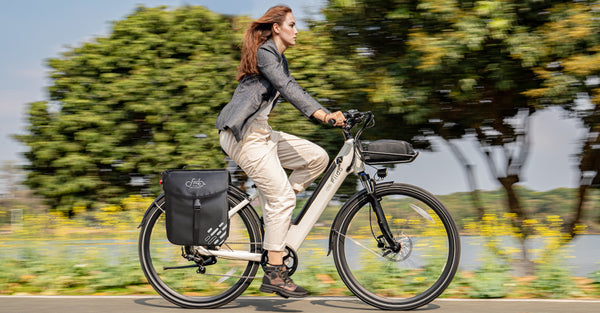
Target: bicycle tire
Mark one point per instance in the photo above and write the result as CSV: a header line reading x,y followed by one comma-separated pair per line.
x,y
186,287
398,280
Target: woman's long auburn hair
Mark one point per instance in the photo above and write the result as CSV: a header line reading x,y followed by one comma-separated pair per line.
x,y
258,33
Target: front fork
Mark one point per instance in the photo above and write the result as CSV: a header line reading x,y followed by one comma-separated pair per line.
x,y
369,185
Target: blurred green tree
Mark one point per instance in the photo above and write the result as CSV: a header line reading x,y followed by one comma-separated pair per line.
x,y
570,76
127,106
456,69
145,98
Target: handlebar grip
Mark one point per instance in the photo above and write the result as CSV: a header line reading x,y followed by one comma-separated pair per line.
x,y
331,122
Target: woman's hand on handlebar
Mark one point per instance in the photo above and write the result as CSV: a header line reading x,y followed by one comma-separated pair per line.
x,y
336,119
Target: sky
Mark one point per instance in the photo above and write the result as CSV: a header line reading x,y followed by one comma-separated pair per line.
x,y
32,31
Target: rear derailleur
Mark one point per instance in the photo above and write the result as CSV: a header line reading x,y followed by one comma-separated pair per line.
x,y
191,254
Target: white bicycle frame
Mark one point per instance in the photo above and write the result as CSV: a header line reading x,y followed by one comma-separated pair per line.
x,y
347,161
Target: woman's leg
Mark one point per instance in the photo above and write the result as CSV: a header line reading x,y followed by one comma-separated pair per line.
x,y
257,155
306,159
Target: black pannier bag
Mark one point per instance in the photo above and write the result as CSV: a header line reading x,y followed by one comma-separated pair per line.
x,y
196,206
388,151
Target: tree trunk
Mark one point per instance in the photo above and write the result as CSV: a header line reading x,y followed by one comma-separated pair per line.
x,y
589,166
468,168
571,225
525,266
514,205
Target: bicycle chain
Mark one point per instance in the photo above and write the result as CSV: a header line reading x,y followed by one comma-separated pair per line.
x,y
235,276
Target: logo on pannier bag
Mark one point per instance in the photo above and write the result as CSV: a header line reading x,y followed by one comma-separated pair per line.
x,y
195,183
215,235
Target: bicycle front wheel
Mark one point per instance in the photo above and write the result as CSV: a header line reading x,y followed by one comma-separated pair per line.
x,y
173,270
403,279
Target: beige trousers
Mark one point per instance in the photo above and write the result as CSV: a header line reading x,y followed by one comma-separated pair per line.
x,y
264,154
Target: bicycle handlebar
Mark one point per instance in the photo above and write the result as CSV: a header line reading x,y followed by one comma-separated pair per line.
x,y
354,118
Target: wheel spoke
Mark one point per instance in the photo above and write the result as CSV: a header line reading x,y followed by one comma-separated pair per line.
x,y
379,254
227,275
422,213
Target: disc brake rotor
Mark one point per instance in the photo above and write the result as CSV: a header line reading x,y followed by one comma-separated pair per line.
x,y
406,247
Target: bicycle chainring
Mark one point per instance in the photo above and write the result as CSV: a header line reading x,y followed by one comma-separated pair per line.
x,y
290,259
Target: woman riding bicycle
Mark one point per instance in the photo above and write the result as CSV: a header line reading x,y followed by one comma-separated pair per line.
x,y
263,153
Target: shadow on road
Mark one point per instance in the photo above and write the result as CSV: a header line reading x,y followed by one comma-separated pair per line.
x,y
155,302
263,304
257,304
359,305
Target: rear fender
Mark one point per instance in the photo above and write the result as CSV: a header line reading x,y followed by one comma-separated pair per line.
x,y
145,218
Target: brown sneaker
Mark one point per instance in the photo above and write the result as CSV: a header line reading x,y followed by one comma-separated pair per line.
x,y
276,280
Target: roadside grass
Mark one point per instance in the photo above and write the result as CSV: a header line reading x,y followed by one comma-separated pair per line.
x,y
96,254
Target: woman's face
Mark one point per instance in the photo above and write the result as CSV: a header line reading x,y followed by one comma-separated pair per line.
x,y
287,30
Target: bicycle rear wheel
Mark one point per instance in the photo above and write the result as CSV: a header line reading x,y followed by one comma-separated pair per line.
x,y
185,285
396,280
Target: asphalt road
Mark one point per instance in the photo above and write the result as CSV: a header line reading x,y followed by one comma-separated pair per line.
x,y
150,304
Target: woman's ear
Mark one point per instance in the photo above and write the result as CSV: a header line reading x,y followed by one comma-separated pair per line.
x,y
276,28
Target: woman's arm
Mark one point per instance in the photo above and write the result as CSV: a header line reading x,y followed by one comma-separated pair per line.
x,y
269,65
337,116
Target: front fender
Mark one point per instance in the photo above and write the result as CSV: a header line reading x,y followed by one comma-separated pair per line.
x,y
335,225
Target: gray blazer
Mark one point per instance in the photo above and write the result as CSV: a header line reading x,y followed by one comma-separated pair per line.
x,y
256,91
